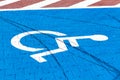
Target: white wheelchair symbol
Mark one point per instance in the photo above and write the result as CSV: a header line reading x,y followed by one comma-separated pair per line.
x,y
16,42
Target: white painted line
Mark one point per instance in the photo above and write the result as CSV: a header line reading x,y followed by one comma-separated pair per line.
x,y
118,5
85,3
5,2
60,8
40,4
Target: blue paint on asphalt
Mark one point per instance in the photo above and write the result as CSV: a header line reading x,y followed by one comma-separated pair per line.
x,y
91,61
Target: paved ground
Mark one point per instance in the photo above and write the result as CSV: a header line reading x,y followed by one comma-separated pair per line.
x,y
60,44
40,43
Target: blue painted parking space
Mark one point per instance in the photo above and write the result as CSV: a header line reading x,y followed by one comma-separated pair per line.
x,y
66,44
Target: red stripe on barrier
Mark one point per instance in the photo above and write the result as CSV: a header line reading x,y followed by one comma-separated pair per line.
x,y
64,3
20,4
106,3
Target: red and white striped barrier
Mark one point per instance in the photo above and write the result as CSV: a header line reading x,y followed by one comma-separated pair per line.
x,y
38,4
